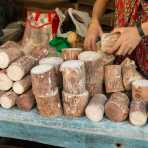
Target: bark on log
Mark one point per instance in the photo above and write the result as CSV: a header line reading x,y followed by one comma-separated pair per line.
x,y
116,109
5,82
113,78
17,70
73,76
71,53
49,105
130,74
94,71
19,87
138,113
74,105
8,100
95,109
26,101
43,79
140,90
9,52
108,41
56,62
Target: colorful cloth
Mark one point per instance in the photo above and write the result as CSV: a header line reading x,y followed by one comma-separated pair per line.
x,y
128,12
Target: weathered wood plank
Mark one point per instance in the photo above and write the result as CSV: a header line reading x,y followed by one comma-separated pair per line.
x,y
70,132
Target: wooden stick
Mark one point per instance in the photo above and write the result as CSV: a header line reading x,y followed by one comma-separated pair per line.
x,y
130,74
140,90
43,79
74,105
116,109
95,109
94,71
17,70
26,101
138,113
5,82
113,78
49,105
9,52
19,87
8,99
73,76
71,53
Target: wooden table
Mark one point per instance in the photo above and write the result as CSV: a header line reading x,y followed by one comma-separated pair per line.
x,y
71,132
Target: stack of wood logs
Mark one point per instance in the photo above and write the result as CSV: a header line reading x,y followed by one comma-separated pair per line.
x,y
75,95
14,76
45,82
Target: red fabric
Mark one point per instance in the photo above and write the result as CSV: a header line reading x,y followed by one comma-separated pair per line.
x,y
127,15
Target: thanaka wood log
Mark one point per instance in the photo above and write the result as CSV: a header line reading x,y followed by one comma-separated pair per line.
x,y
43,79
140,90
19,87
116,108
113,78
95,109
94,71
9,52
8,99
49,105
5,82
17,70
73,72
26,101
138,113
71,53
74,105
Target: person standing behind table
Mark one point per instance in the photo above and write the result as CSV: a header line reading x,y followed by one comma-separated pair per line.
x,y
132,23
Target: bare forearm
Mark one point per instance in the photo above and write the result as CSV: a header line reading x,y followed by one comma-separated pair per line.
x,y
145,28
99,9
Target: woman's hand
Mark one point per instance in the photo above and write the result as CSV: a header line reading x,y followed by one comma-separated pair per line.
x,y
127,42
93,33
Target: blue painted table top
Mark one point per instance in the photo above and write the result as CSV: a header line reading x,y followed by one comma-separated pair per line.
x,y
70,132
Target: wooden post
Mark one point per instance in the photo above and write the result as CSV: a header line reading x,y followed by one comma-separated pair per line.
x,y
74,105
17,70
116,109
26,101
94,71
138,113
19,87
73,76
71,53
113,78
95,109
140,90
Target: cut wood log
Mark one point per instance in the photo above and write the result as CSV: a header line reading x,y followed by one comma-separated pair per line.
x,y
26,101
5,82
94,71
116,109
49,105
74,105
9,52
138,113
8,99
2,92
17,70
73,76
113,78
95,109
19,87
71,53
140,90
43,79
108,41
56,62
130,74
